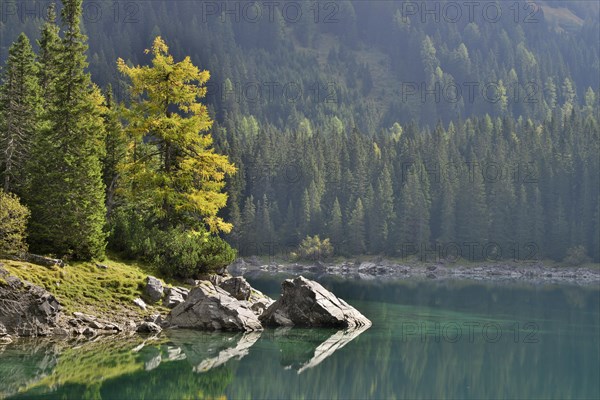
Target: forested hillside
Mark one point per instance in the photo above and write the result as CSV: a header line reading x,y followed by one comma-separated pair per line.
x,y
385,126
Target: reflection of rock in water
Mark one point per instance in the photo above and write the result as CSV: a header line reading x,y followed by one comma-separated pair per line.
x,y
302,349
207,350
25,362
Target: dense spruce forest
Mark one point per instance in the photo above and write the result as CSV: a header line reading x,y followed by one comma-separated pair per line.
x,y
376,125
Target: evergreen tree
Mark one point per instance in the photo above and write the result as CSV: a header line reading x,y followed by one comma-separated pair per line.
x,y
305,214
413,222
70,180
116,149
49,56
20,109
383,207
248,228
336,227
356,229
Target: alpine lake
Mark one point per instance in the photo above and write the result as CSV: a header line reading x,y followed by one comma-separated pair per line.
x,y
430,339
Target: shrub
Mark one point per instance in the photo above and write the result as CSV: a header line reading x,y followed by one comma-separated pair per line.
x,y
313,248
176,252
189,254
576,255
13,225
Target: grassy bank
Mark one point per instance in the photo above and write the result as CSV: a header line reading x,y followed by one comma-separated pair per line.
x,y
87,288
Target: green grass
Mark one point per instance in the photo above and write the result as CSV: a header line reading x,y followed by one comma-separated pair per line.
x,y
84,287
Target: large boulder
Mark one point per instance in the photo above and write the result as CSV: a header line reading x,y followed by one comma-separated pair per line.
x,y
306,303
208,307
238,287
175,296
26,309
259,302
154,289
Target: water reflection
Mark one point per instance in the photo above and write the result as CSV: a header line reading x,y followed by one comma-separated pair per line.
x,y
208,350
403,355
302,349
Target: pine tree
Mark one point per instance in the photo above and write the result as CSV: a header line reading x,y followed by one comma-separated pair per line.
x,y
70,180
183,178
336,227
472,217
49,56
305,214
116,149
20,109
383,211
248,227
413,221
356,229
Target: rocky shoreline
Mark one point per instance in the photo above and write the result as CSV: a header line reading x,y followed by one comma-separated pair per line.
x,y
218,303
228,302
506,272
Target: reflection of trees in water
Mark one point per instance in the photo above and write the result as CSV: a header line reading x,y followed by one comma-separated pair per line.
x,y
380,363
25,362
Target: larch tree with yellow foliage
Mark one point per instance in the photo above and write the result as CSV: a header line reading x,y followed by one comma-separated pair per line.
x,y
171,170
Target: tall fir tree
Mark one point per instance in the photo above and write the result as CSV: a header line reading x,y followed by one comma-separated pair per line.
x,y
20,111
49,55
356,229
115,150
336,228
70,180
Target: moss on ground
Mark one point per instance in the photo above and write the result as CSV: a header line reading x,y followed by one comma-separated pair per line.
x,y
85,287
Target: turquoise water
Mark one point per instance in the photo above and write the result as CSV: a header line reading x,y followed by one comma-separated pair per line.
x,y
428,340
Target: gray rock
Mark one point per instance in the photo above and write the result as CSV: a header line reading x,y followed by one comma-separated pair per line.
x,y
154,289
3,331
211,308
26,309
102,266
84,317
140,303
154,318
259,306
148,327
173,299
175,295
259,302
44,261
96,325
191,282
60,332
238,287
308,304
89,332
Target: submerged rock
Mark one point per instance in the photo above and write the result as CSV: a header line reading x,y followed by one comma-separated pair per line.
x,y
308,304
211,308
26,309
